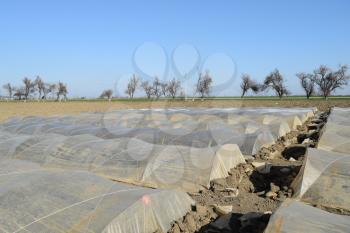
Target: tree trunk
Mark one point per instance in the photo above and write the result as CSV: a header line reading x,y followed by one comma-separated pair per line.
x,y
243,93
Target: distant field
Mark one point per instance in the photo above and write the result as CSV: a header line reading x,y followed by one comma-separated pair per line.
x,y
34,108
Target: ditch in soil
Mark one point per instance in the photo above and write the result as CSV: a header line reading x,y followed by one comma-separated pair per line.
x,y
244,201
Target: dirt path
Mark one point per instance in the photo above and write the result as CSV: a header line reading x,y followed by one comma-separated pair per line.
x,y
244,201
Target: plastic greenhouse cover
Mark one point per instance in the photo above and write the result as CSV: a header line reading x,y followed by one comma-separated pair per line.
x,y
177,115
128,160
249,136
336,135
297,217
324,179
55,201
247,128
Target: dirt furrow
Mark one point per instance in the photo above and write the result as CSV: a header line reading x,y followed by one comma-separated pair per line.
x,y
244,201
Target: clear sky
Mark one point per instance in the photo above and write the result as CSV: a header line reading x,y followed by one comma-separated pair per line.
x,y
94,45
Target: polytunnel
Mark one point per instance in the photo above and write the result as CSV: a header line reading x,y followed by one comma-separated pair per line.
x,y
324,179
128,160
250,130
170,117
34,199
336,133
249,136
297,217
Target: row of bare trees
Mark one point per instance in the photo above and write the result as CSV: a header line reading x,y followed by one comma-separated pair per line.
x,y
36,88
323,81
274,81
157,88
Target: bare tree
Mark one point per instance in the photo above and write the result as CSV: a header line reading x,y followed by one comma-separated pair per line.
x,y
28,87
328,81
275,81
173,87
107,94
9,89
40,86
61,90
147,88
157,91
46,89
19,92
132,85
164,89
248,84
50,89
307,83
204,84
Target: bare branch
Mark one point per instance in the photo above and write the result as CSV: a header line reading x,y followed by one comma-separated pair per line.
x,y
173,87
29,87
275,81
328,81
147,88
61,90
157,87
9,89
248,84
132,86
307,83
107,94
204,84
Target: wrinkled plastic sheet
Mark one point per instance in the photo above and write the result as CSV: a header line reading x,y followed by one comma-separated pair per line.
x,y
324,179
250,129
336,133
297,217
128,160
33,199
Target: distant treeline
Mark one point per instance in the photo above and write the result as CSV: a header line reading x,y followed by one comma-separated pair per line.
x,y
323,81
36,89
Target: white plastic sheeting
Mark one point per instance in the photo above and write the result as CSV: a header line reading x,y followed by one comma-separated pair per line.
x,y
35,200
324,179
174,148
249,136
128,160
250,129
336,135
297,217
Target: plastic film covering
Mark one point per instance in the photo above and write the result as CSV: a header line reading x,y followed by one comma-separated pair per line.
x,y
250,137
324,179
56,201
128,160
250,129
336,135
172,117
297,217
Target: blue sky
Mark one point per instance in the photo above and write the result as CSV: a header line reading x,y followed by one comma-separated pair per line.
x,y
94,45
